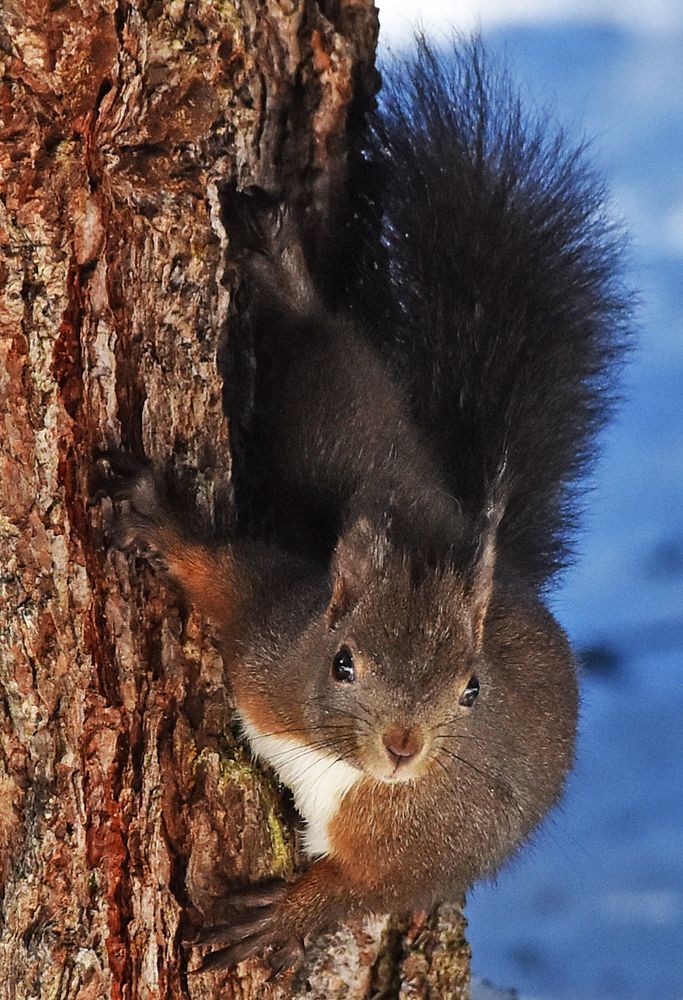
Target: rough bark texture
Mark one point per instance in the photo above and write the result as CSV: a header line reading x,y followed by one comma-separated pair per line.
x,y
124,800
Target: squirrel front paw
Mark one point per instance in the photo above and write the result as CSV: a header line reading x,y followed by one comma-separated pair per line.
x,y
126,478
131,483
257,925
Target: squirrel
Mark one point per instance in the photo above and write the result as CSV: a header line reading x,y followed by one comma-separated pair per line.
x,y
390,652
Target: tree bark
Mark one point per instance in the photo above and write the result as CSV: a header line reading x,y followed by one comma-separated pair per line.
x,y
125,802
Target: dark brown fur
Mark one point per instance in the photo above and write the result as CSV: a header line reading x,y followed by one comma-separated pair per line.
x,y
431,594
490,772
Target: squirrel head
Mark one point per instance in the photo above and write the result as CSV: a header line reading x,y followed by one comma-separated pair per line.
x,y
401,660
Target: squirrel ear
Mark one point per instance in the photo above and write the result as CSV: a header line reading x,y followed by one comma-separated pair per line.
x,y
360,552
483,567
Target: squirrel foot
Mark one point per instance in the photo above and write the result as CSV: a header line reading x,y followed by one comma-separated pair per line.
x,y
258,927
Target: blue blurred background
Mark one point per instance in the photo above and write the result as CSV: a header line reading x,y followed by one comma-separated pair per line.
x,y
594,909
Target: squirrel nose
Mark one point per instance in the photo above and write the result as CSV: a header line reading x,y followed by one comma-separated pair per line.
x,y
402,744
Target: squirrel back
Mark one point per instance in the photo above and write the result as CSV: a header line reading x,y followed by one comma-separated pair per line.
x,y
489,271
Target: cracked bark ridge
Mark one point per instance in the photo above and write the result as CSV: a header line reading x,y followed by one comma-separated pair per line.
x,y
125,803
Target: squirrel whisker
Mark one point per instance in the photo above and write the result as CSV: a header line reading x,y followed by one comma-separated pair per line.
x,y
495,779
302,729
295,753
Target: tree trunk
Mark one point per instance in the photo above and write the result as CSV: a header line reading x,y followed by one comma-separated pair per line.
x,y
125,802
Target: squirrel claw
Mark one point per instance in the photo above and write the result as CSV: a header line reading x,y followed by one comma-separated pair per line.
x,y
280,956
116,473
254,217
287,956
229,934
125,478
138,527
257,929
137,535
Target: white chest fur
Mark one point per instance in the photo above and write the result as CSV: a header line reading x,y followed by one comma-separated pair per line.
x,y
318,781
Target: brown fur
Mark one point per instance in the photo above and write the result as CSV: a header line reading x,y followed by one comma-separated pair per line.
x,y
426,518
399,838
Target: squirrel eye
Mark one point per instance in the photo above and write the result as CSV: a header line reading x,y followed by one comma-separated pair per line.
x,y
469,695
342,666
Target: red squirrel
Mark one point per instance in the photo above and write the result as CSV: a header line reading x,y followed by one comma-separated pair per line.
x,y
389,652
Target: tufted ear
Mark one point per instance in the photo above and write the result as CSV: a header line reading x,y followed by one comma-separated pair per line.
x,y
484,564
360,552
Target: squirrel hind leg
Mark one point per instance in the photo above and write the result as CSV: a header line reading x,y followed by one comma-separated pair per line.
x,y
266,241
253,217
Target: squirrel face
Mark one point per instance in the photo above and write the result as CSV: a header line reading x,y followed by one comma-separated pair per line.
x,y
399,685
397,674
396,682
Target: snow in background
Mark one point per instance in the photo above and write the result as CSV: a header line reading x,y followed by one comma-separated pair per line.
x,y
594,909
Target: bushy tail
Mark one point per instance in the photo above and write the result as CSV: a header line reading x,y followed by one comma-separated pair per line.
x,y
506,313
